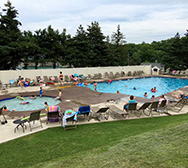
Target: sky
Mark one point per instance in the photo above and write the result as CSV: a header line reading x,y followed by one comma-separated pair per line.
x,y
139,20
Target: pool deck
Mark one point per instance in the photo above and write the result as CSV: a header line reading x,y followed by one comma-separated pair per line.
x,y
72,98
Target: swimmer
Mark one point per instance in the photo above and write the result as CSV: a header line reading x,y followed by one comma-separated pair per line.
x,y
20,97
33,97
46,104
118,92
134,88
5,109
154,89
145,94
24,102
126,86
95,85
153,96
85,83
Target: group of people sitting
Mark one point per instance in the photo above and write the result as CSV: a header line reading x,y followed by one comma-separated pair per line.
x,y
132,100
26,82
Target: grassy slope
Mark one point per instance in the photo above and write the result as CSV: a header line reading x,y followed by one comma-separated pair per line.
x,y
152,142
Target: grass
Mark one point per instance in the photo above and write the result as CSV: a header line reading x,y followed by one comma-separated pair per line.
x,y
151,142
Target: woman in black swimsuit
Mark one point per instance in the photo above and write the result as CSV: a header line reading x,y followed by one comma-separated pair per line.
x,y
61,78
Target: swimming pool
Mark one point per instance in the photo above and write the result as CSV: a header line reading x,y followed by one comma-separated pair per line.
x,y
34,104
142,85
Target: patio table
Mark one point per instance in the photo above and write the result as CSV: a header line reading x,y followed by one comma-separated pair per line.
x,y
21,123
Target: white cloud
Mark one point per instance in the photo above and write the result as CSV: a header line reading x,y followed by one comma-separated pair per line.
x,y
140,20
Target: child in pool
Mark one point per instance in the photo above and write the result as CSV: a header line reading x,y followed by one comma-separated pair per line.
x,y
154,89
95,85
5,109
145,94
24,102
33,97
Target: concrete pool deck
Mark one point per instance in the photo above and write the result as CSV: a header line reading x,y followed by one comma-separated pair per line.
x,y
72,97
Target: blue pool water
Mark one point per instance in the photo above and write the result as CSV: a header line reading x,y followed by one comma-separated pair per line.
x,y
34,104
142,85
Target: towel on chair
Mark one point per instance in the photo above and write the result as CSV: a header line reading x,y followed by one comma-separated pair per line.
x,y
53,108
69,113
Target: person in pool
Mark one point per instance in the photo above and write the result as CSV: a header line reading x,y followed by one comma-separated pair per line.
x,y
154,89
24,102
145,94
33,97
95,85
46,104
6,110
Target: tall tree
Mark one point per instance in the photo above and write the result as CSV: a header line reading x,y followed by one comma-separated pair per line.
x,y
120,51
10,38
99,49
80,49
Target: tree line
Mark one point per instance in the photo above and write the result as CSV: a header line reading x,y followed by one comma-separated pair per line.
x,y
88,48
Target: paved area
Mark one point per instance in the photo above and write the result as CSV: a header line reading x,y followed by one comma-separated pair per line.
x,y
73,97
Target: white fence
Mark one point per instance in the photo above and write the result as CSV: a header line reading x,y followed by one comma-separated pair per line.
x,y
5,76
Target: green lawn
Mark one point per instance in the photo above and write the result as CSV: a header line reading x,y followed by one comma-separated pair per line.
x,y
152,142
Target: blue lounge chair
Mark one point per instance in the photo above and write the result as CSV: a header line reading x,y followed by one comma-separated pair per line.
x,y
84,110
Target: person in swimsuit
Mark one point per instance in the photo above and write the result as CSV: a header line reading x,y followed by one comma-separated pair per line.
x,y
131,100
40,92
59,95
95,85
61,78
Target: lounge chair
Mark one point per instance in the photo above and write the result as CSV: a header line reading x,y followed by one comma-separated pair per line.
x,y
117,111
99,113
95,76
162,107
106,75
132,110
99,75
135,73
122,74
111,75
153,108
69,115
46,79
33,117
177,106
84,110
143,108
53,114
66,78
129,73
117,75
1,114
13,83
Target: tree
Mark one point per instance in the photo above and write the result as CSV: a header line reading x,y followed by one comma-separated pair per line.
x,y
120,51
79,49
99,50
10,38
